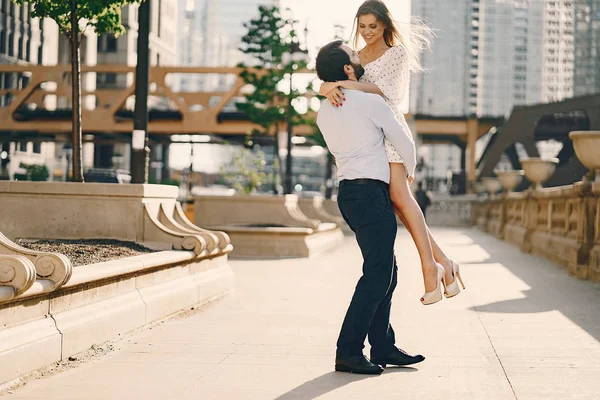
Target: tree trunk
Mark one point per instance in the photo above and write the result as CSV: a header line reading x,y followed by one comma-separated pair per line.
x,y
277,173
76,95
328,176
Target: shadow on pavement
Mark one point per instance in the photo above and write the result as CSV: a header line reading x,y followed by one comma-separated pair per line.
x,y
551,286
332,381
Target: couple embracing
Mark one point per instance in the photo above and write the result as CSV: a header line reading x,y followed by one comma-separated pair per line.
x,y
375,156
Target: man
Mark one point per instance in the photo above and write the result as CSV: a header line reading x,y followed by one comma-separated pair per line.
x,y
422,198
354,134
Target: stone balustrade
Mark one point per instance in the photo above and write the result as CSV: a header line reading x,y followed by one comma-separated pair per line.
x,y
446,210
561,224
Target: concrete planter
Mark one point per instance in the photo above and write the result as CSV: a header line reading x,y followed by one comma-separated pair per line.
x,y
510,179
277,243
539,170
102,301
314,207
331,207
587,148
247,211
266,226
145,214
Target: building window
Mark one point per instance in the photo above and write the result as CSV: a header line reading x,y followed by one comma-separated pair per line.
x,y
4,3
2,42
20,49
11,45
37,148
107,43
23,147
111,44
28,51
110,78
159,18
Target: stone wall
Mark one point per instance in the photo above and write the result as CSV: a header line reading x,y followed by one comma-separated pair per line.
x,y
561,224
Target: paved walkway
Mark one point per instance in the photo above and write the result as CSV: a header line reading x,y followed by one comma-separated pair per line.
x,y
522,330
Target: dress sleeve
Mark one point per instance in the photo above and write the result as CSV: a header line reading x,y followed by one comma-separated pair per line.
x,y
394,77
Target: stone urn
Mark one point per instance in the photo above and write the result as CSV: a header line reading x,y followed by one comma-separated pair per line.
x,y
479,187
587,149
492,185
510,179
539,170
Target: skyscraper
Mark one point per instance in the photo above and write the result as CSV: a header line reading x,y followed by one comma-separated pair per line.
x,y
490,55
493,54
587,47
442,89
209,34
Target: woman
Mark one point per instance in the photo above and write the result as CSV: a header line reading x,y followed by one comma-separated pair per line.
x,y
387,59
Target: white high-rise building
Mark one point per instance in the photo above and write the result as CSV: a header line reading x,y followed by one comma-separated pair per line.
x,y
223,31
190,43
123,49
443,90
493,54
490,55
209,34
587,47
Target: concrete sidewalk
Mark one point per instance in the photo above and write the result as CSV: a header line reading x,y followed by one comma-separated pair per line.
x,y
523,329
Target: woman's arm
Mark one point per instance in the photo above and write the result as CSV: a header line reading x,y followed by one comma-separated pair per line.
x,y
333,92
362,86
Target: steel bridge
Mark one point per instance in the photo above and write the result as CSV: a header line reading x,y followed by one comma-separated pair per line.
x,y
35,104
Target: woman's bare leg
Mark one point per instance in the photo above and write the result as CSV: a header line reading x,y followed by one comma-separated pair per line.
x,y
402,198
438,253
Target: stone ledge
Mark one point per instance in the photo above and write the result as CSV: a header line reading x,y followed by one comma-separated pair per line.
x,y
88,189
101,301
270,243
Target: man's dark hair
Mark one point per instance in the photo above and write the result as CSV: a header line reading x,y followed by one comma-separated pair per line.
x,y
330,62
420,185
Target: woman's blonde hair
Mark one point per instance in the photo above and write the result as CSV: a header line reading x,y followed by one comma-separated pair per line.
x,y
420,35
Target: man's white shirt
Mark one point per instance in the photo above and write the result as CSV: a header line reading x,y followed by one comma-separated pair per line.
x,y
354,134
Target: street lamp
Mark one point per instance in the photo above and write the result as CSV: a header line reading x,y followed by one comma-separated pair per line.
x,y
290,60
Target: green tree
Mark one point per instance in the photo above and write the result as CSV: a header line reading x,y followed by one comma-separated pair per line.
x,y
249,173
268,38
73,18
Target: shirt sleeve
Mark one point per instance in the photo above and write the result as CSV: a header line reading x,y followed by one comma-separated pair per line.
x,y
384,118
395,75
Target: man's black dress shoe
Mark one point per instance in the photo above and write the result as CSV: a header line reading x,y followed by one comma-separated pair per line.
x,y
397,357
357,365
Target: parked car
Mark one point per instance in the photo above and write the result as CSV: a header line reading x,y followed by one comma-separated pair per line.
x,y
107,175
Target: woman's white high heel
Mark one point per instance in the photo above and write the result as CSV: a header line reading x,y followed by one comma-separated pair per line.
x,y
453,289
436,295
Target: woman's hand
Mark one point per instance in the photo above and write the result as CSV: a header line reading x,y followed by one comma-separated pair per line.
x,y
332,91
